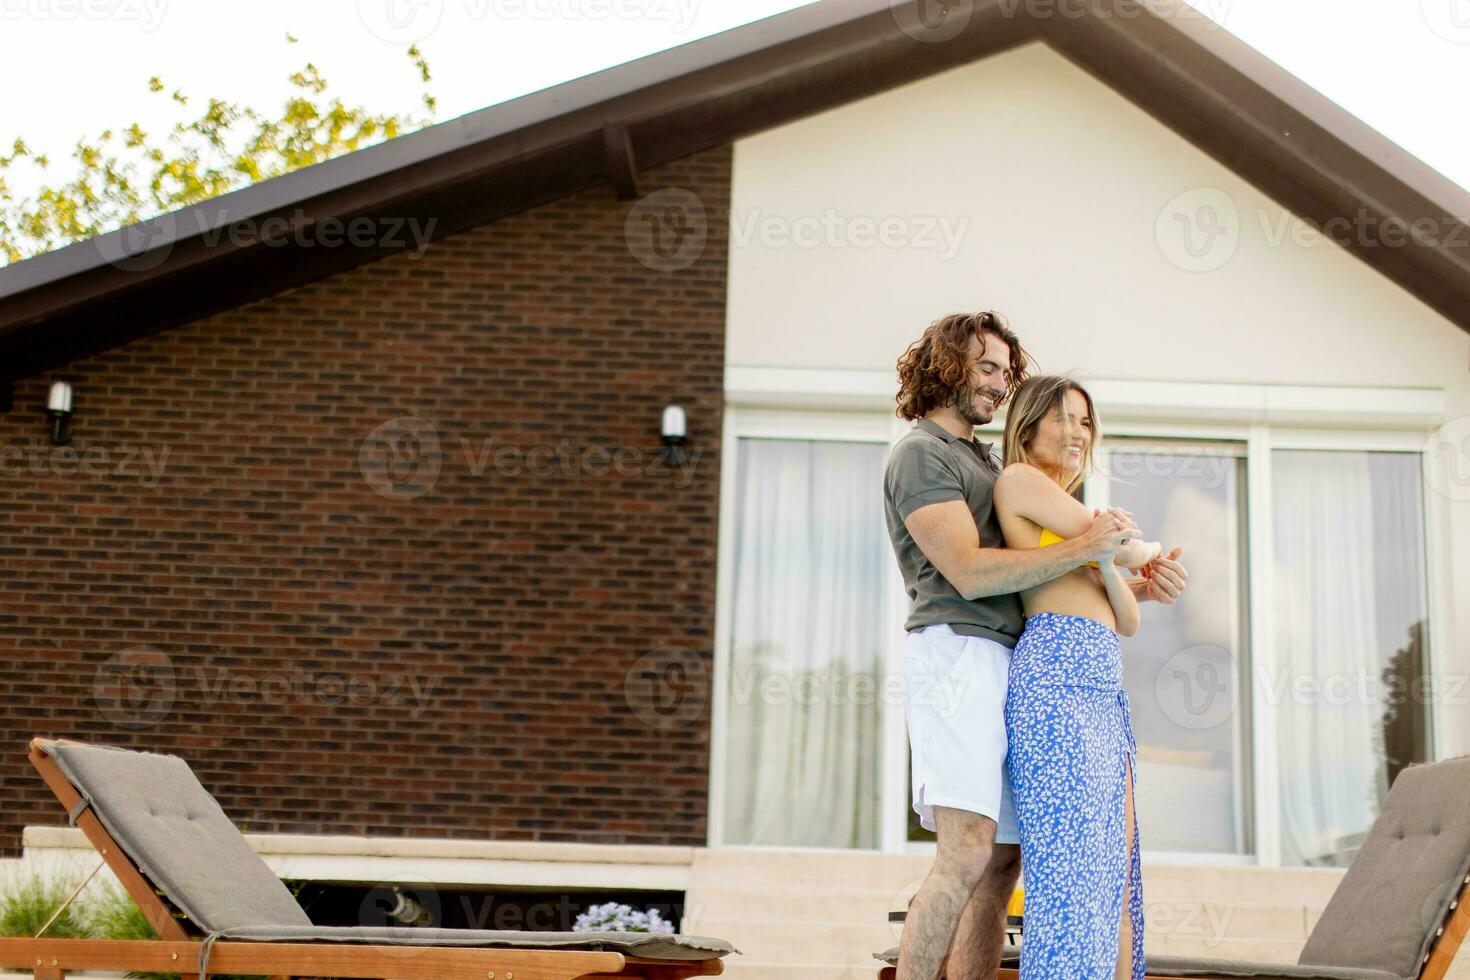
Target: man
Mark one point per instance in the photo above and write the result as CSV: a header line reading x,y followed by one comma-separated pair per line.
x,y
964,620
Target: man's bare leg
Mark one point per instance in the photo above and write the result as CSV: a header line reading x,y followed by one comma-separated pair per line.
x,y
975,954
960,858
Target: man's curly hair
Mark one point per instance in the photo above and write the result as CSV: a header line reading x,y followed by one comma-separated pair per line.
x,y
937,364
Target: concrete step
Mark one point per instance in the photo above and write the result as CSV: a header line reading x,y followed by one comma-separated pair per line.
x,y
801,943
1237,886
804,971
1198,920
738,869
848,870
810,971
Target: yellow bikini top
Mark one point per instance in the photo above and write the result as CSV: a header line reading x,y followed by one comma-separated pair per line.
x,y
1050,537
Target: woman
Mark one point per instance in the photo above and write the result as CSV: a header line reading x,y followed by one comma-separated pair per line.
x,y
1071,748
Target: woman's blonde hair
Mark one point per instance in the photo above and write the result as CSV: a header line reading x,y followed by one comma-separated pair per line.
x,y
1034,400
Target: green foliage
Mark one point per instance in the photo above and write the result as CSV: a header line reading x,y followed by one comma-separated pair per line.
x,y
111,914
102,911
126,176
28,899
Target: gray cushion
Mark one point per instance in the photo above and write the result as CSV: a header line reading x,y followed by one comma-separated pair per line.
x,y
1398,890
649,944
1202,969
1207,969
177,835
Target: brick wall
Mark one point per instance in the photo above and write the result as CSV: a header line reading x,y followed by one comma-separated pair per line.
x,y
349,632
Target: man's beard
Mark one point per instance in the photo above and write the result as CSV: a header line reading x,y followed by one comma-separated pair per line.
x,y
964,406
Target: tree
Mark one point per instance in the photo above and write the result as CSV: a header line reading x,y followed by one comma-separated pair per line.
x,y
127,176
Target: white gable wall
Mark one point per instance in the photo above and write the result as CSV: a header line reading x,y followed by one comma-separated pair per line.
x,y
1052,187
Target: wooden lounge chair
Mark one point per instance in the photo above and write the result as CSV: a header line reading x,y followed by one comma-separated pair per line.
x,y
216,905
1400,912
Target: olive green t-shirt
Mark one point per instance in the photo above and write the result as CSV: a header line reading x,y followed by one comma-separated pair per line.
x,y
930,465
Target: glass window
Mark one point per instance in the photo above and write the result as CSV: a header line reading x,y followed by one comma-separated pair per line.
x,y
1184,669
1344,691
1349,619
804,732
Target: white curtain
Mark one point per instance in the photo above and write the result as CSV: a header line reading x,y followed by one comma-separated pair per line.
x,y
1328,711
804,729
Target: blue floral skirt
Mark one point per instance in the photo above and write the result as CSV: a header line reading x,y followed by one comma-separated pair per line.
x,y
1069,735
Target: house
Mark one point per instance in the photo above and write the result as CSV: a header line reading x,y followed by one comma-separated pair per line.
x,y
367,513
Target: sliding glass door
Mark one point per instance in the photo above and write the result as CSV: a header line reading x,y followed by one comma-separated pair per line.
x,y
805,714
1349,688
1272,706
1186,669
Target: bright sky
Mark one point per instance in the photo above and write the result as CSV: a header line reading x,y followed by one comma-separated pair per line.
x,y
76,67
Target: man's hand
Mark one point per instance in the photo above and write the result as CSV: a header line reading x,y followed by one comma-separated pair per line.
x,y
1109,535
1164,579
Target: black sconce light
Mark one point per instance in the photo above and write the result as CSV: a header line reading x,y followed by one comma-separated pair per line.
x,y
675,430
58,409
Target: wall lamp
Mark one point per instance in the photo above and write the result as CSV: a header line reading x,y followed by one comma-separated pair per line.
x,y
58,409
675,430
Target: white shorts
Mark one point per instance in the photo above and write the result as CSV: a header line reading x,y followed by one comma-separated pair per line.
x,y
955,699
